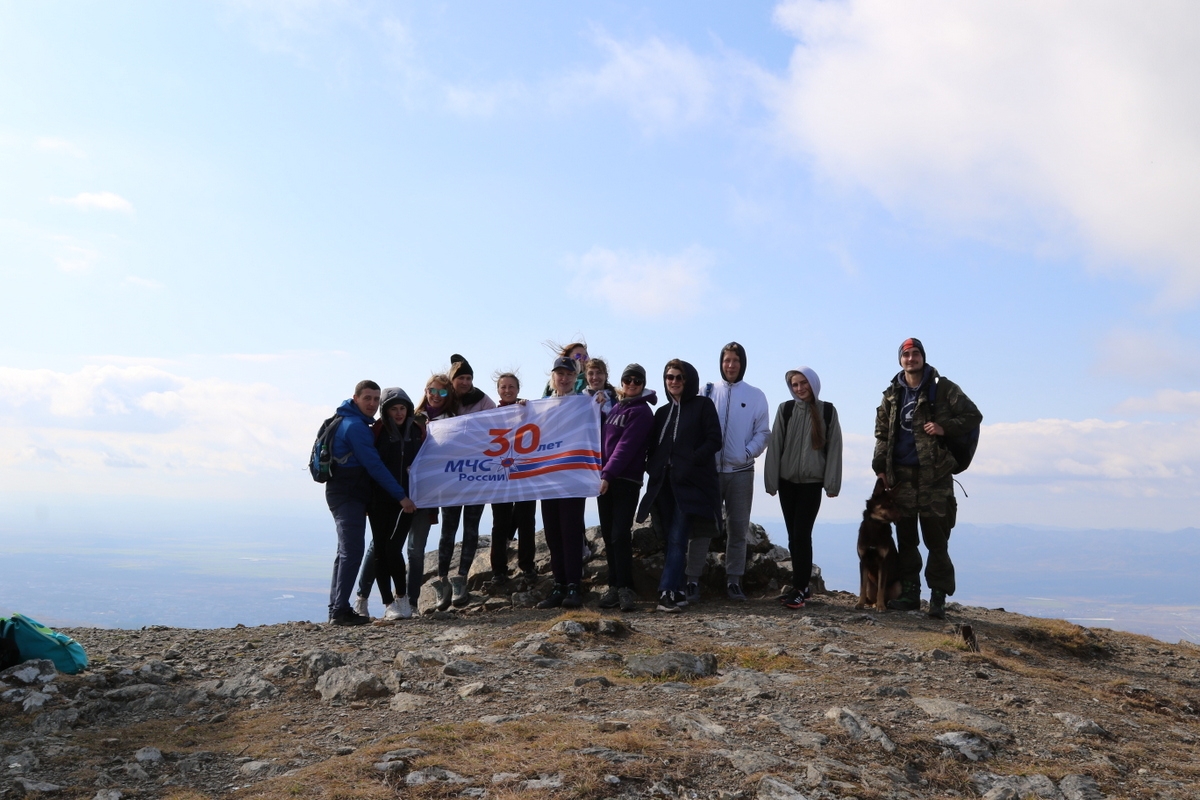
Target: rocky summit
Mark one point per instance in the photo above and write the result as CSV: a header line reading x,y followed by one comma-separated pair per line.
x,y
726,700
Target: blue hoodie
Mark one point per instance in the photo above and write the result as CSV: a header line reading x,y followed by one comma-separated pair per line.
x,y
355,437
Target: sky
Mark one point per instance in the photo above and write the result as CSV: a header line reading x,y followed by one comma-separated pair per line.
x,y
217,217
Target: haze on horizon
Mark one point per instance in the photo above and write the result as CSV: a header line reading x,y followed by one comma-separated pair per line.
x,y
216,217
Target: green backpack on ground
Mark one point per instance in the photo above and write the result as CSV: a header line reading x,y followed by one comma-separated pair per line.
x,y
35,640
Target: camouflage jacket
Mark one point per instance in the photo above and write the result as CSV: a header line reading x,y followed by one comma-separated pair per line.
x,y
952,409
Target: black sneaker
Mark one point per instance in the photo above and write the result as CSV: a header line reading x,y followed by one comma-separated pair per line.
x,y
610,599
795,600
572,599
937,604
556,597
666,602
347,617
691,593
735,593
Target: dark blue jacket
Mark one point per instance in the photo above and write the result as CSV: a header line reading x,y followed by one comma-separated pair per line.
x,y
355,437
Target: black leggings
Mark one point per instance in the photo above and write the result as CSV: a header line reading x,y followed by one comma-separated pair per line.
x,y
389,529
617,507
509,518
800,503
562,521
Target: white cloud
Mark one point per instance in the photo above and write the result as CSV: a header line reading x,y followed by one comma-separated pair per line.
x,y
1167,401
645,283
1148,355
55,144
74,258
103,201
79,425
145,283
1010,116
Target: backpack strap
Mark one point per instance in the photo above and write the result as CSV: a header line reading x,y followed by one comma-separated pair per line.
x,y
708,390
828,411
788,409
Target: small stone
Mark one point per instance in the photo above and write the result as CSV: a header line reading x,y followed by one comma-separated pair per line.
x,y
971,746
38,787
771,788
148,755
859,728
697,726
599,680
108,794
612,725
940,655
498,719
474,689
542,782
342,684
433,775
461,669
405,701
1080,787
344,750
505,777
569,627
258,769
681,665
390,766
1080,726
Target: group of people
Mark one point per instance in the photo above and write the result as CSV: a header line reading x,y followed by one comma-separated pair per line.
x,y
696,454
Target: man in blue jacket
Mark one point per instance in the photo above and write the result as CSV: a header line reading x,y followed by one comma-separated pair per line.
x,y
348,491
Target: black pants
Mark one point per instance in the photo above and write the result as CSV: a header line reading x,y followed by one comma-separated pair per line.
x,y
617,507
507,519
563,522
389,529
470,516
800,503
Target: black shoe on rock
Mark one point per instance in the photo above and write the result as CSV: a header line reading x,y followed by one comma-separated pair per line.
x,y
572,599
937,604
610,599
347,617
909,599
556,597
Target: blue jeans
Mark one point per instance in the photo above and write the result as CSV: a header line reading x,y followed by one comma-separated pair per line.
x,y
346,495
418,535
676,525
366,576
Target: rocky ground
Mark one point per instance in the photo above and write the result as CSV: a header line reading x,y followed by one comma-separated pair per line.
x,y
723,700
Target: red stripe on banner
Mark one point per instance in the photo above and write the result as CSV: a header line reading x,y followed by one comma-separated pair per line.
x,y
512,476
539,459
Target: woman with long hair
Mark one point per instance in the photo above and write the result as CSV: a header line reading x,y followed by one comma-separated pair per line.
x,y
683,487
577,352
804,456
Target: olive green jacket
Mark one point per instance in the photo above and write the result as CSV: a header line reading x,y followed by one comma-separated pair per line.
x,y
953,410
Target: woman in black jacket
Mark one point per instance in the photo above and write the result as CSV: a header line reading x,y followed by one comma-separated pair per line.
x,y
398,438
683,488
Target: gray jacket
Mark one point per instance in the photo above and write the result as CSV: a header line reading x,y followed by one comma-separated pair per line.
x,y
790,454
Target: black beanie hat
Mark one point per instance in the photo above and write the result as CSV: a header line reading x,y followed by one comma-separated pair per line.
x,y
909,344
460,366
634,370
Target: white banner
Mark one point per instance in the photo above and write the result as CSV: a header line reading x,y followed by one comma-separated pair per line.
x,y
545,449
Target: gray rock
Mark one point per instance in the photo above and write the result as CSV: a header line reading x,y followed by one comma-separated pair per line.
x,y
405,701
474,689
248,685
34,700
404,753
1023,785
461,669
343,684
697,725
751,761
837,652
38,787
34,671
1080,787
390,766
963,714
498,719
258,769
136,772
125,694
682,665
569,627
54,721
1080,726
108,794
859,728
148,755
771,788
610,755
542,782
157,672
433,775
971,746
795,730
315,663
1002,793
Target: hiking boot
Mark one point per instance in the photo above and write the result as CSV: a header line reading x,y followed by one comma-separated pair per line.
x,y
497,582
937,604
444,595
794,600
666,603
734,590
555,598
610,599
348,617
909,599
399,608
691,593
628,599
459,596
360,606
530,577
573,598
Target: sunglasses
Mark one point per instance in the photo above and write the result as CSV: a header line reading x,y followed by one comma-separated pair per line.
x,y
579,356
674,376
632,381
436,392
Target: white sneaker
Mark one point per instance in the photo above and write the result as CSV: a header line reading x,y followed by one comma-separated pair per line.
x,y
360,606
399,609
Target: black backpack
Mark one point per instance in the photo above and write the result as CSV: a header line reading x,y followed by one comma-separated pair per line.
x,y
961,447
789,408
322,462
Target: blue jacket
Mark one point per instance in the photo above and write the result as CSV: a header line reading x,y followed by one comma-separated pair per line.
x,y
355,437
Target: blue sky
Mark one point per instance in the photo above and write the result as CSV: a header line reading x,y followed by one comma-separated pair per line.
x,y
216,217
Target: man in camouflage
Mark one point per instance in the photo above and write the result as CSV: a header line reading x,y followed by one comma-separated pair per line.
x,y
911,458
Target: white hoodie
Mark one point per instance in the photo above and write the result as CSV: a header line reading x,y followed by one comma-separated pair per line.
x,y
745,424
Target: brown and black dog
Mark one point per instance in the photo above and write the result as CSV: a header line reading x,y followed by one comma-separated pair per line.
x,y
877,559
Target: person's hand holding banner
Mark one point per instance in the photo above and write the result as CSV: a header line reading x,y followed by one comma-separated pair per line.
x,y
542,450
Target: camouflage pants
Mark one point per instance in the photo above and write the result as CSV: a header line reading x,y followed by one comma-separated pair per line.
x,y
932,505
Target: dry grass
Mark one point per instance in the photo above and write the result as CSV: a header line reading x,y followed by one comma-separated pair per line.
x,y
1062,637
760,659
